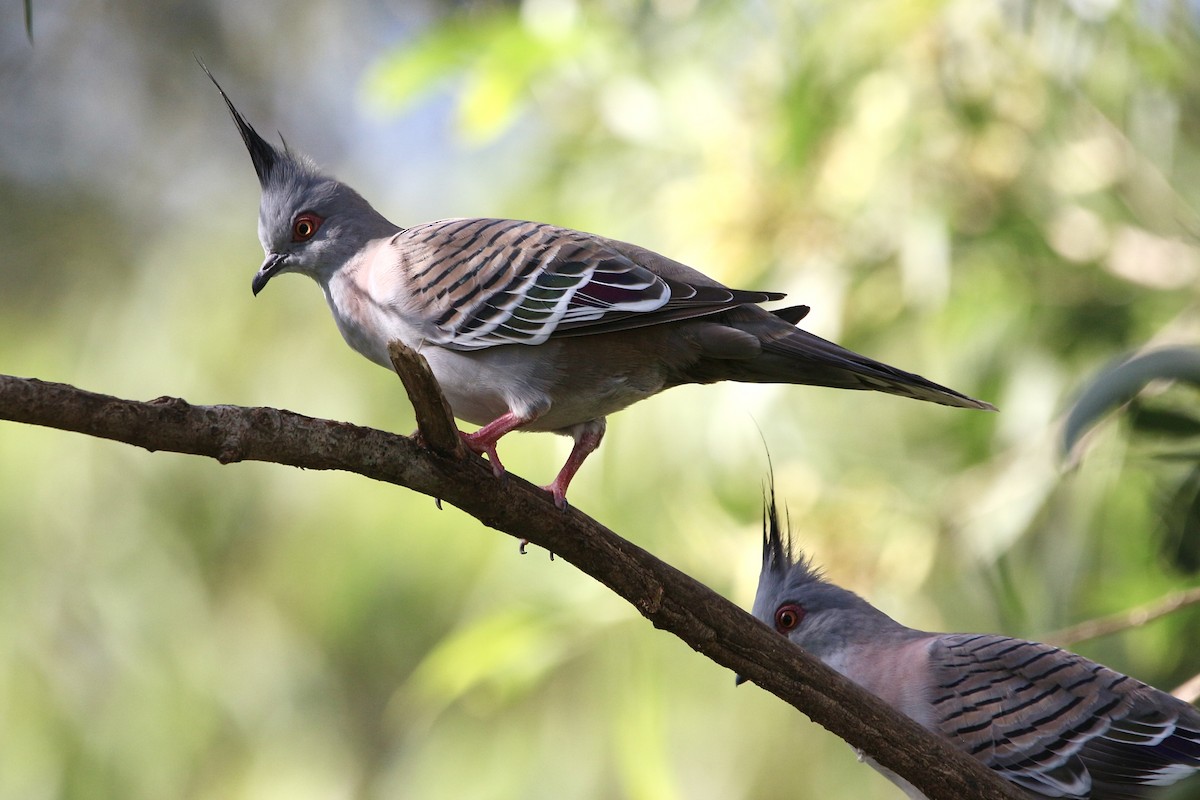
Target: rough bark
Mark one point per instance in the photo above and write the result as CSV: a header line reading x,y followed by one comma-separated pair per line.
x,y
439,466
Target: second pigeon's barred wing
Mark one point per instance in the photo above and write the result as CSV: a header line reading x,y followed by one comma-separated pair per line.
x,y
488,282
1055,723
1157,744
1005,702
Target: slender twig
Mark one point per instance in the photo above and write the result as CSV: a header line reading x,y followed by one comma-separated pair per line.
x,y
1133,618
1189,690
668,598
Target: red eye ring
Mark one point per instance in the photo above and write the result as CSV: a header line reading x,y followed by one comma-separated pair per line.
x,y
305,226
788,616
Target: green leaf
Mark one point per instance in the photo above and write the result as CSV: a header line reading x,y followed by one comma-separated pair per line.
x,y
401,77
496,58
1181,520
1120,384
1168,422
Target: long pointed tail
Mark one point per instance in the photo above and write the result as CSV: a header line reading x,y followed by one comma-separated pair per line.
x,y
798,356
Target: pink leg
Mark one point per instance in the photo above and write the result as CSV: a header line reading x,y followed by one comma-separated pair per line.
x,y
483,441
585,443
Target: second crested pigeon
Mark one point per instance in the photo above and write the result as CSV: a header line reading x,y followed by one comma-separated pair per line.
x,y
1054,723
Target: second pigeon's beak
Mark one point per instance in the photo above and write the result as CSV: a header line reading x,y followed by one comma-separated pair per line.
x,y
738,680
270,268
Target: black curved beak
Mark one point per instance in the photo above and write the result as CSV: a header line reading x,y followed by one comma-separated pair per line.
x,y
738,680
269,269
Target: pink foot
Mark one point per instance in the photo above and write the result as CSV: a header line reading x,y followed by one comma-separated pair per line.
x,y
483,441
585,443
484,448
558,493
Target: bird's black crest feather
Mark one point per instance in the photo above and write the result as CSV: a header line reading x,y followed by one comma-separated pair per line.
x,y
777,540
262,153
780,556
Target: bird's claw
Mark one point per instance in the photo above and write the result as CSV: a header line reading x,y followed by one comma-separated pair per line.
x,y
558,495
484,447
524,543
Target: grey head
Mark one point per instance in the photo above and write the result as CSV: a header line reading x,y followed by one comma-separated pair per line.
x,y
308,222
795,599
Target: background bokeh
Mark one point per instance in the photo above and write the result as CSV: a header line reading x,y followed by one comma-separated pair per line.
x,y
1001,196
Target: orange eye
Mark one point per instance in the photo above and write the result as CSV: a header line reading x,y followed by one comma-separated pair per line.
x,y
788,617
305,226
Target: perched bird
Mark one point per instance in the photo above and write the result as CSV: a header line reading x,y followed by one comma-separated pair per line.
x,y
530,326
1051,722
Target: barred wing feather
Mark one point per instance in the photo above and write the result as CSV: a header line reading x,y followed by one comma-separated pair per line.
x,y
489,282
1057,724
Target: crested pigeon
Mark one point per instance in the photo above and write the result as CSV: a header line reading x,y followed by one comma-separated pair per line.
x,y
533,327
1052,722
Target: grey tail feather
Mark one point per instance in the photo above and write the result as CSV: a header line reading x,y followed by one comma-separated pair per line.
x,y
262,153
820,362
792,314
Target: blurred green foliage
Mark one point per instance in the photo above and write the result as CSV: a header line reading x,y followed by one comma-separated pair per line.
x,y
999,195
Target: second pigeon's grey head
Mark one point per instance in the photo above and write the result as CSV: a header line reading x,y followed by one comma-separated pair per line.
x,y
795,600
308,222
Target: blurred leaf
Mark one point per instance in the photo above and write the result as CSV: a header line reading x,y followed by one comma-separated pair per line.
x,y
1186,455
1181,521
1163,421
504,653
498,57
399,78
1120,384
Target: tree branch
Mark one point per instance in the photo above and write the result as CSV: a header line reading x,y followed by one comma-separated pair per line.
x,y
1123,620
670,599
1189,690
435,421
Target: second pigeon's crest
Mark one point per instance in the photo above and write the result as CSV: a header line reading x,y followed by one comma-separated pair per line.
x,y
780,556
785,568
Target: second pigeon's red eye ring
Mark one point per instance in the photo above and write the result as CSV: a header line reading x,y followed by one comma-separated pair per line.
x,y
788,616
305,226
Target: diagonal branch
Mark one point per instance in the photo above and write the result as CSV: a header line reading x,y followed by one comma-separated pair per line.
x,y
668,598
1123,620
1189,690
